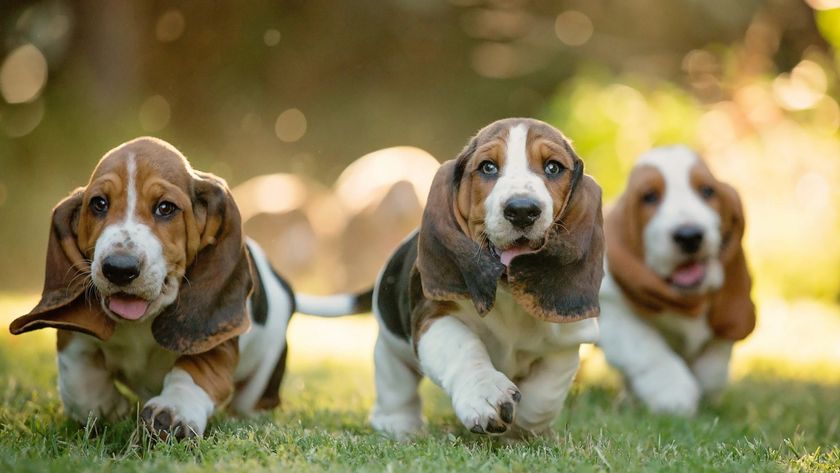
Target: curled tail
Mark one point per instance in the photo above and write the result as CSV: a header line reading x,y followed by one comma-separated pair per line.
x,y
335,306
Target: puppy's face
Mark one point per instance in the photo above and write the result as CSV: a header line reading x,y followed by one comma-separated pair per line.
x,y
677,206
514,179
132,228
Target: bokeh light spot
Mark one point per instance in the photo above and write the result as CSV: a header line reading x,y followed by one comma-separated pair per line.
x,y
290,125
573,28
20,120
802,88
271,37
23,74
154,113
170,26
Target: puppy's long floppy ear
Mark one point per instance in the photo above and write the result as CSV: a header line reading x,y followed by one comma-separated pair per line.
x,y
63,304
452,265
560,282
211,305
732,315
643,288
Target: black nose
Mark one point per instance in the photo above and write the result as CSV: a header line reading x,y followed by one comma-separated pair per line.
x,y
121,269
522,212
688,238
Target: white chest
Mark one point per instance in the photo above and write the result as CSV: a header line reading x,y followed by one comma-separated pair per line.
x,y
515,340
134,358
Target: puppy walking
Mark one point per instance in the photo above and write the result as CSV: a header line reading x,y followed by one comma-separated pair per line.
x,y
150,282
677,292
494,294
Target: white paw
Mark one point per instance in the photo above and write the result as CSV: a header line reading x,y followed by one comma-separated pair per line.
x,y
163,419
110,406
182,409
400,426
669,389
486,404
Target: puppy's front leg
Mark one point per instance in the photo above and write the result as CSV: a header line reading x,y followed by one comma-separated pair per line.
x,y
192,391
84,382
454,358
658,376
711,367
544,390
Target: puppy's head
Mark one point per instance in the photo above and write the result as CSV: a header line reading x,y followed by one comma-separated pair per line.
x,y
514,179
675,234
679,204
148,237
515,203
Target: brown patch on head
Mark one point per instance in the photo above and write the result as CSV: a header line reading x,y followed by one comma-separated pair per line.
x,y
731,313
560,281
624,226
544,143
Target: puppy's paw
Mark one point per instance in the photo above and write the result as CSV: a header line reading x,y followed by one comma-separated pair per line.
x,y
400,426
162,421
668,390
487,404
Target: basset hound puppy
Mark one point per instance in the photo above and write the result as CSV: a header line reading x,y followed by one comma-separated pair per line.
x,y
150,282
494,294
677,291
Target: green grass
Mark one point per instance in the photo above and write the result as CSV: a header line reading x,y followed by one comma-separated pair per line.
x,y
775,417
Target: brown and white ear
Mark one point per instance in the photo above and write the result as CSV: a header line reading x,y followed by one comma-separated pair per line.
x,y
560,282
63,304
452,265
211,305
732,315
643,288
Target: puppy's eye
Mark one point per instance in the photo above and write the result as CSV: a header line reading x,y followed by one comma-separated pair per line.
x,y
650,197
165,209
553,168
489,168
99,205
707,192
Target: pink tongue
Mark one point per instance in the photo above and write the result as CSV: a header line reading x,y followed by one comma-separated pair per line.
x,y
131,308
689,275
507,255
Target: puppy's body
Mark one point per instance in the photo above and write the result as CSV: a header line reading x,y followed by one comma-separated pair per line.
x,y
676,294
493,296
151,284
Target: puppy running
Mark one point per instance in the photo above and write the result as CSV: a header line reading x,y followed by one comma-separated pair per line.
x,y
494,294
150,282
677,292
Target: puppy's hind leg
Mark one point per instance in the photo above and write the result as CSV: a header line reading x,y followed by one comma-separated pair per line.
x,y
397,409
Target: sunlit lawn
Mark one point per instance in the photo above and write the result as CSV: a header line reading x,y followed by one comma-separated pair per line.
x,y
778,415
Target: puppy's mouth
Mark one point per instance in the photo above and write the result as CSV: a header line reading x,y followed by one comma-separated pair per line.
x,y
507,253
127,306
689,275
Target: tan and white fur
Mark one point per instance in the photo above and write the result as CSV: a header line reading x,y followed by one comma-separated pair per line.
x,y
673,343
151,284
454,303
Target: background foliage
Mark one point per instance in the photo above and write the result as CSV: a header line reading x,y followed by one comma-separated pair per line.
x,y
306,87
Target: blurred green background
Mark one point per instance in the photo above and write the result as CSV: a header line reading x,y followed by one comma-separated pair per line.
x,y
251,88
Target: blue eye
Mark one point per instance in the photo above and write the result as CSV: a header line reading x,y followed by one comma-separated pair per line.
x,y
489,168
707,192
553,168
99,205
